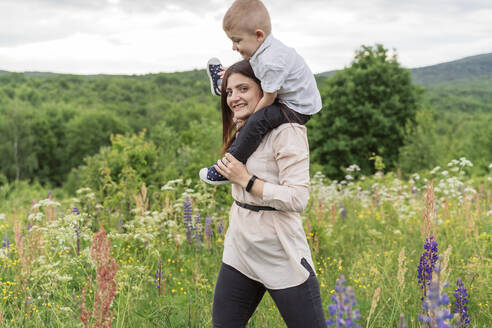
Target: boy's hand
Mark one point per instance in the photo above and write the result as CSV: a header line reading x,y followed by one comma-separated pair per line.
x,y
222,72
239,123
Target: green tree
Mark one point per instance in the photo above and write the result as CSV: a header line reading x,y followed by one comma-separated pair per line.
x,y
49,128
117,172
18,159
423,148
87,132
366,108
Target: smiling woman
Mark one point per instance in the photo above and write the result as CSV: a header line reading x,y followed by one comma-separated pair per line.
x,y
265,248
243,94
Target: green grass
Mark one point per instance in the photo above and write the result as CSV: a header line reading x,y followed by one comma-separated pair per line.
x,y
42,287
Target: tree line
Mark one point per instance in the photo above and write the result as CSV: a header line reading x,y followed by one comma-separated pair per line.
x,y
54,129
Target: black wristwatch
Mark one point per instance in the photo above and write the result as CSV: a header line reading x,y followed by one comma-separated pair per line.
x,y
251,182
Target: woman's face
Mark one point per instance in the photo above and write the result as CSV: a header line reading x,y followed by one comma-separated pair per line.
x,y
243,94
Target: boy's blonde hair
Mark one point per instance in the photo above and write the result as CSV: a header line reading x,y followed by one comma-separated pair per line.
x,y
247,16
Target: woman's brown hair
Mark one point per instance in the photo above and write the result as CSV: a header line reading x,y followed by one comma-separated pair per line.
x,y
228,130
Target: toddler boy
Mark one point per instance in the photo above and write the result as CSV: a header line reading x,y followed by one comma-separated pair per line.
x,y
283,74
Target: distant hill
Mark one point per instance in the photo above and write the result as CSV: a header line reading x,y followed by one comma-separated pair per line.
x,y
468,95
468,67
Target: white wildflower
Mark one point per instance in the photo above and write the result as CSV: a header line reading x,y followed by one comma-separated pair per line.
x,y
397,232
434,170
2,216
349,177
490,166
489,213
63,278
91,195
353,168
453,163
444,172
464,162
35,216
82,190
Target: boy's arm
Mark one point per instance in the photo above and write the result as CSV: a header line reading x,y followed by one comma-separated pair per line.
x,y
265,101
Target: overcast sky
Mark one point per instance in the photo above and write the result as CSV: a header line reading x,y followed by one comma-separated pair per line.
x,y
149,36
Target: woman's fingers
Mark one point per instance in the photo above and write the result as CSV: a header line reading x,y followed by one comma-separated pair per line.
x,y
230,158
222,168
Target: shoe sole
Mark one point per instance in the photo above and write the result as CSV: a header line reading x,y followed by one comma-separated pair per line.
x,y
203,176
212,61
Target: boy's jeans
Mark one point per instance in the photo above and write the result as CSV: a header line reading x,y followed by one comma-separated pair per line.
x,y
258,125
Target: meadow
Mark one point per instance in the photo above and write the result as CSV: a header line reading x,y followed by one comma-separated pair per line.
x,y
81,262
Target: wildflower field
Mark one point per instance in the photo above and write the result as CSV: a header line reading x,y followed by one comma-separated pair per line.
x,y
389,252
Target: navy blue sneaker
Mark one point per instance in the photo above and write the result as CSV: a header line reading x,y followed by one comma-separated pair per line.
x,y
211,176
213,70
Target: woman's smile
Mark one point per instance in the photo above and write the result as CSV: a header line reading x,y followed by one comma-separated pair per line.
x,y
243,94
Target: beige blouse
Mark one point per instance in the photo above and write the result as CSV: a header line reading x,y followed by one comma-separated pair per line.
x,y
267,246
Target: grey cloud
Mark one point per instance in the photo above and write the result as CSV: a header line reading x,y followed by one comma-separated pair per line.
x,y
30,21
149,6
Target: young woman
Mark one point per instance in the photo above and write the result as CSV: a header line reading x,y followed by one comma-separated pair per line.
x,y
265,247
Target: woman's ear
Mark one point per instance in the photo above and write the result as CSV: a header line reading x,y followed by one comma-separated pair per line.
x,y
260,35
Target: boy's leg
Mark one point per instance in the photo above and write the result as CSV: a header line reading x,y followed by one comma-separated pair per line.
x,y
235,298
258,125
251,135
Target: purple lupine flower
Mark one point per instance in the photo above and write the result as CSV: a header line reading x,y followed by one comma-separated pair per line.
x,y
76,229
461,298
435,312
208,227
427,264
6,242
342,310
76,210
220,229
188,222
343,211
159,278
198,228
401,321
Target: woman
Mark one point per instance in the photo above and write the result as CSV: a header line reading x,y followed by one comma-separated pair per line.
x,y
265,248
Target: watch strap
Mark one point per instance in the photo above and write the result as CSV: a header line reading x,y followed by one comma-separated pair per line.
x,y
251,182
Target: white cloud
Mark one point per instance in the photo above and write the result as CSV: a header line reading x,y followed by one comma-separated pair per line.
x,y
127,36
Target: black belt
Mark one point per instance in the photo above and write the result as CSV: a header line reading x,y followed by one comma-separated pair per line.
x,y
255,207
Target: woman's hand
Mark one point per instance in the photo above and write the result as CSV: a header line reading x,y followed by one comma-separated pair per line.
x,y
233,170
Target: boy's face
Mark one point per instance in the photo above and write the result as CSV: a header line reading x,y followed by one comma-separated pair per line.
x,y
246,43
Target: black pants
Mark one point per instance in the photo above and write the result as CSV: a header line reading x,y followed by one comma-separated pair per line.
x,y
258,125
237,296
